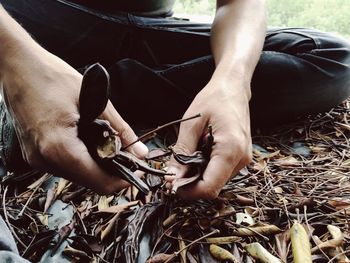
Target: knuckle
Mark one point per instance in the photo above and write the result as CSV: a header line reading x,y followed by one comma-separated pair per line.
x,y
181,148
236,147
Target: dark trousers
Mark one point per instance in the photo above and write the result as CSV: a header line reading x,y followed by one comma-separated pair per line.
x,y
158,65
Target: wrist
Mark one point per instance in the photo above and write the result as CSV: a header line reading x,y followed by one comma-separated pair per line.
x,y
234,82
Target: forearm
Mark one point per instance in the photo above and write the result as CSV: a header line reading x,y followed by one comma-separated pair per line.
x,y
16,45
237,38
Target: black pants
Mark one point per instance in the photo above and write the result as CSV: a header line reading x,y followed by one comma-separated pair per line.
x,y
158,65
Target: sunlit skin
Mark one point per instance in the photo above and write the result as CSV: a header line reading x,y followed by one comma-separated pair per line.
x,y
46,111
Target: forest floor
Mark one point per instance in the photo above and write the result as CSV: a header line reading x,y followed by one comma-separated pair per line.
x,y
292,202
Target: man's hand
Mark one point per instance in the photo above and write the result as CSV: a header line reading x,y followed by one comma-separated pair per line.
x,y
224,106
237,37
42,93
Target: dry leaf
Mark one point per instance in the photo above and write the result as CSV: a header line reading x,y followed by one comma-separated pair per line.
x,y
62,183
257,251
183,250
223,240
50,197
76,254
227,211
259,166
269,155
252,231
44,219
38,182
160,258
170,220
282,241
346,163
103,202
222,254
107,228
119,208
339,203
300,244
63,233
180,182
244,219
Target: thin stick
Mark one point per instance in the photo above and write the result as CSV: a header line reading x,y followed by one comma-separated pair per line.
x,y
20,214
175,254
7,219
159,128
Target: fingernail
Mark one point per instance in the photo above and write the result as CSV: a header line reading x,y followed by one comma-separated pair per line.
x,y
139,149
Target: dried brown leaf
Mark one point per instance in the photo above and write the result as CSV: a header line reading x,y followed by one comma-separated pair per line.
x,y
160,258
254,231
180,182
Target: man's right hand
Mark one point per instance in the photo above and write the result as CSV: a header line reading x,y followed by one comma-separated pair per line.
x,y
42,93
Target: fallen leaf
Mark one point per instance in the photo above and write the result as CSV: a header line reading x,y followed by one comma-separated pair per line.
x,y
244,219
76,254
62,183
222,254
252,231
103,202
119,208
107,228
160,258
50,197
39,181
300,244
183,250
63,233
44,219
339,203
180,182
282,241
223,240
257,251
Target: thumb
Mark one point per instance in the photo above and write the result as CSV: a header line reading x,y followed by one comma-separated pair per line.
x,y
187,142
126,134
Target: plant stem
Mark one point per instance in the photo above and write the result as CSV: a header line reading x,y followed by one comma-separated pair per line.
x,y
159,128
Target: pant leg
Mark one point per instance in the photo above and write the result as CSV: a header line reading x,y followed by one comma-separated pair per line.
x,y
8,249
300,71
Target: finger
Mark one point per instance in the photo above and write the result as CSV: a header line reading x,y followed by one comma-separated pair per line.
x,y
189,135
69,158
219,170
127,135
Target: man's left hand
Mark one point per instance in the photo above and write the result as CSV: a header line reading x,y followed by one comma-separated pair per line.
x,y
223,105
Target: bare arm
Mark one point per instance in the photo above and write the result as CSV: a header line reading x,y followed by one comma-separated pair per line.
x,y
237,38
41,92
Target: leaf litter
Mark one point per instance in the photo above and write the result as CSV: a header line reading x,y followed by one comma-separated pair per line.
x,y
291,204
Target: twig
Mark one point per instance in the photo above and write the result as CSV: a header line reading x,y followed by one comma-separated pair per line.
x,y
158,129
175,254
340,254
20,214
7,219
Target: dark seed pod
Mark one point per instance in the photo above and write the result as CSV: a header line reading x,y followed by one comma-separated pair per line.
x,y
94,93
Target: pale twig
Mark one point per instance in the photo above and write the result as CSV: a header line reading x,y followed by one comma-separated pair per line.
x,y
7,220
